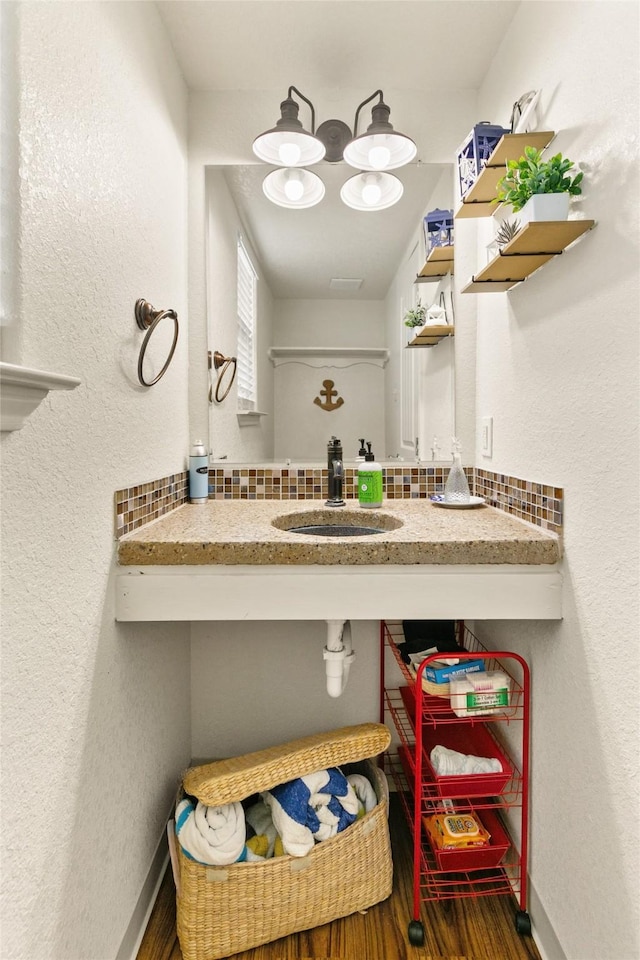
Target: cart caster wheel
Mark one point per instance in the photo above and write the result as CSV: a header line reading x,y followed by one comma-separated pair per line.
x,y
523,923
416,933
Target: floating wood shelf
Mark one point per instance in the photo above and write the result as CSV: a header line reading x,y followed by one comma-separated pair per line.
x,y
479,200
429,336
533,246
439,264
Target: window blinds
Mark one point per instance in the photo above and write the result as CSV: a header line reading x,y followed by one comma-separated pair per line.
x,y
246,373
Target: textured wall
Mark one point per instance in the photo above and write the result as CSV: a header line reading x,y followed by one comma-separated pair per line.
x,y
557,368
95,715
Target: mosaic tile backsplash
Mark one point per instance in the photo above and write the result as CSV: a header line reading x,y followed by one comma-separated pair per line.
x,y
290,483
535,502
135,506
538,503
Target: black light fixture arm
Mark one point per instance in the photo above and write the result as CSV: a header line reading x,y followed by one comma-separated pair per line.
x,y
308,102
378,93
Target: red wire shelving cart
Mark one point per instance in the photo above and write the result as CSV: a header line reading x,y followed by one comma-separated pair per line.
x,y
499,801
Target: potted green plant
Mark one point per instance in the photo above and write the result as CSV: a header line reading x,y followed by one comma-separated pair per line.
x,y
416,317
539,189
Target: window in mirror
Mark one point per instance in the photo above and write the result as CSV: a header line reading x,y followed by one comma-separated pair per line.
x,y
246,352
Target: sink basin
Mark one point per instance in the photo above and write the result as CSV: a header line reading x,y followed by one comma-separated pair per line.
x,y
337,522
336,530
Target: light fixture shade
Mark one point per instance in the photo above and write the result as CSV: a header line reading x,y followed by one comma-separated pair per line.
x,y
381,147
293,187
288,144
288,148
372,190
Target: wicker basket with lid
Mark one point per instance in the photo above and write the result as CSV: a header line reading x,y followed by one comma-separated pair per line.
x,y
224,910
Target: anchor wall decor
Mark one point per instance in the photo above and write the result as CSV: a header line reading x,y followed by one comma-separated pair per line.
x,y
328,394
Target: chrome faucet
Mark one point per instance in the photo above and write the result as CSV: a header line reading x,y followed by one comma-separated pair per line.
x,y
335,485
335,472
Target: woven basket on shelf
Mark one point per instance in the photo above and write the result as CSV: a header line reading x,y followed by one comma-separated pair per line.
x,y
224,910
429,686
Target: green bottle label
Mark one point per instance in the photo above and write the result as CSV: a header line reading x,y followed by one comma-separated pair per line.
x,y
370,486
488,700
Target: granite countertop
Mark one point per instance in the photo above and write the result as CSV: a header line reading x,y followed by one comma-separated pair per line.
x,y
243,532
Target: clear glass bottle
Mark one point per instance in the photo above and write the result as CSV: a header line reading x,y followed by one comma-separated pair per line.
x,y
456,489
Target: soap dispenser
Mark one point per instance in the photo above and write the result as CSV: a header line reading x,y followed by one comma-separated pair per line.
x,y
369,481
456,489
198,473
362,453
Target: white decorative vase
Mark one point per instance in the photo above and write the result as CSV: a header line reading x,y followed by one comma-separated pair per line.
x,y
545,206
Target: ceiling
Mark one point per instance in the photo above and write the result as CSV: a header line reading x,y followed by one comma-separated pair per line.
x,y
430,46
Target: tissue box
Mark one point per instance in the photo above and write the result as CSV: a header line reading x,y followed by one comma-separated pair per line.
x,y
443,673
480,693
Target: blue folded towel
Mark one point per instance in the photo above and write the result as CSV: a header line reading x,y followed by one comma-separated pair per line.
x,y
311,808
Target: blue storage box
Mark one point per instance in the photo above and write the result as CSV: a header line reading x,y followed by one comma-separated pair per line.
x,y
438,229
449,671
472,156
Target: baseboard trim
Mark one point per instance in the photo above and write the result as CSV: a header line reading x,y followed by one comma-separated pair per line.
x,y
543,933
142,910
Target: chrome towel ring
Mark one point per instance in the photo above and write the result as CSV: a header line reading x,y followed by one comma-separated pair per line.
x,y
148,318
222,363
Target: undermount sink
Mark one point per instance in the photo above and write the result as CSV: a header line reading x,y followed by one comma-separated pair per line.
x,y
336,530
336,522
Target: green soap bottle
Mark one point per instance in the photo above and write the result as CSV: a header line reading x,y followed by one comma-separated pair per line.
x,y
369,481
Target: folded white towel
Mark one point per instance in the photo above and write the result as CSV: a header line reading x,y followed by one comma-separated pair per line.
x,y
364,792
448,763
212,835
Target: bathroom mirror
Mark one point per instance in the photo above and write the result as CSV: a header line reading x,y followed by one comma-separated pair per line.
x,y
329,352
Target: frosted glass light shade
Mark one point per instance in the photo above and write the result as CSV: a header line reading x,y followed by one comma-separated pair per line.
x,y
288,148
294,188
371,191
380,151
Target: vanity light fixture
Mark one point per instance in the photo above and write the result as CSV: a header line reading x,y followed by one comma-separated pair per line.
x,y
293,187
288,144
371,190
290,147
381,147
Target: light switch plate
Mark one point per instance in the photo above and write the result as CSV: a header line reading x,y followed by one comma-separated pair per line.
x,y
486,439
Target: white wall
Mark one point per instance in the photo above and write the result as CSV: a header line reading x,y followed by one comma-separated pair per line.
x,y
257,684
328,323
302,428
228,438
557,368
95,715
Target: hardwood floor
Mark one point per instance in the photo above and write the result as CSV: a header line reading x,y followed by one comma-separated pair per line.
x,y
469,929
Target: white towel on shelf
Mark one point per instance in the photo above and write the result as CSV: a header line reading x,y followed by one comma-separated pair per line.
x,y
212,835
448,763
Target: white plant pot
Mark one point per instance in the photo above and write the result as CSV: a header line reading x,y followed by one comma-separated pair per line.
x,y
545,206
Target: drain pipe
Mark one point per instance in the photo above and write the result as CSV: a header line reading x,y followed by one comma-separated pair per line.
x,y
338,655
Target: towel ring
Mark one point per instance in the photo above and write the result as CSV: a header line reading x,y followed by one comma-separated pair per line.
x,y
220,361
148,319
